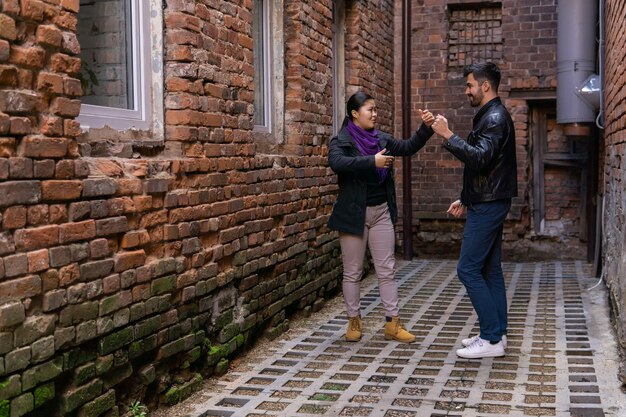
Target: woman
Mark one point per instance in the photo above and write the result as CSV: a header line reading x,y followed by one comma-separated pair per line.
x,y
366,209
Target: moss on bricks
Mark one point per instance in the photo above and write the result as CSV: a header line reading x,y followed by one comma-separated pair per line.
x,y
274,332
41,373
84,373
10,387
77,357
98,406
194,354
224,350
240,339
229,332
224,319
135,349
172,396
171,348
222,367
5,408
214,354
110,304
115,341
163,285
193,385
44,393
232,346
79,396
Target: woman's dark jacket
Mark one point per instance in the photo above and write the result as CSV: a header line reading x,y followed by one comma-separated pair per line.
x,y
490,171
345,159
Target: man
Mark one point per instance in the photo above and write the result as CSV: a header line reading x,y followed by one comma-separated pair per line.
x,y
489,183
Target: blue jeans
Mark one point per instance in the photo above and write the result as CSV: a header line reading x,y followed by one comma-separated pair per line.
x,y
480,267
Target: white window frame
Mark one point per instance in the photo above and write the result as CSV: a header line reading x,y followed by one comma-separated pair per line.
x,y
146,19
267,70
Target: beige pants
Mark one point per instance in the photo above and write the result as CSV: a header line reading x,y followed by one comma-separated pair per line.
x,y
379,236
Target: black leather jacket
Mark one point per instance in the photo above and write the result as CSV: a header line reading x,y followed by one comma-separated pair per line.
x,y
490,171
345,159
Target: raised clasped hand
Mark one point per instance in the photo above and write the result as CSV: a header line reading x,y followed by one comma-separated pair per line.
x,y
440,125
427,117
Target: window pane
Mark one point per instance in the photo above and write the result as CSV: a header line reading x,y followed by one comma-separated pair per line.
x,y
104,33
258,31
475,35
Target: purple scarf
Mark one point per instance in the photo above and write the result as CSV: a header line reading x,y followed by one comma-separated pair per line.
x,y
367,143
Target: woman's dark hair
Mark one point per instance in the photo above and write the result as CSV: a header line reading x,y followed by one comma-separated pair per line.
x,y
484,71
355,102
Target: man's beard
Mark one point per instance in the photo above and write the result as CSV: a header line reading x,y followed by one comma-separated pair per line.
x,y
474,101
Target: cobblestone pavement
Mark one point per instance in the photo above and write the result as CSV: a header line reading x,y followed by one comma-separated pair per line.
x,y
561,358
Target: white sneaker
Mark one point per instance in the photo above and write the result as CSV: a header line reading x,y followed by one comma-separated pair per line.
x,y
481,348
470,340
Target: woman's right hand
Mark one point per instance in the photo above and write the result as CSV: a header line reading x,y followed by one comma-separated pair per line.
x,y
427,117
382,160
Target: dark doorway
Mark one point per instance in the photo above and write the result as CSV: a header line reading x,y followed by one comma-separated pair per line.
x,y
564,181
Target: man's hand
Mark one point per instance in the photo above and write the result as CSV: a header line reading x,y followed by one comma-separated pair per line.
x,y
456,209
382,160
440,126
427,117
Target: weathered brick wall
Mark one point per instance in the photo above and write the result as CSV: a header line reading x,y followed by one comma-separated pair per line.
x,y
369,50
128,278
614,170
308,54
529,64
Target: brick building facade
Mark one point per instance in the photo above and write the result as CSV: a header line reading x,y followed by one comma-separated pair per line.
x,y
549,217
152,232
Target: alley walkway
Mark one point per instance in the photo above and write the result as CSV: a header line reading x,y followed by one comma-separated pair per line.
x,y
561,359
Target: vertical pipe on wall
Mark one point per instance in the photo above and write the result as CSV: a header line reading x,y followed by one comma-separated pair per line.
x,y
600,118
576,56
407,210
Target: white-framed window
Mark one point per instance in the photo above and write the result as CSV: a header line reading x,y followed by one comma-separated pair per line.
x,y
121,63
262,52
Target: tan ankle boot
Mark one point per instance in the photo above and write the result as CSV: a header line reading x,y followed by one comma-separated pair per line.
x,y
353,333
394,330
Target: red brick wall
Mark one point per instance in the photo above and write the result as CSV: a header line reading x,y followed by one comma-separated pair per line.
x,y
128,278
529,64
308,74
614,244
369,51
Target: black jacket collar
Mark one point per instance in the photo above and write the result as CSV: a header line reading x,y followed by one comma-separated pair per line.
x,y
491,103
344,137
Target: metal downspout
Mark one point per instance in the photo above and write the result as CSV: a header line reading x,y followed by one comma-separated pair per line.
x,y
576,59
600,118
407,207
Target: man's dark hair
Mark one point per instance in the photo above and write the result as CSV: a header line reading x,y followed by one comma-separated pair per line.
x,y
484,71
